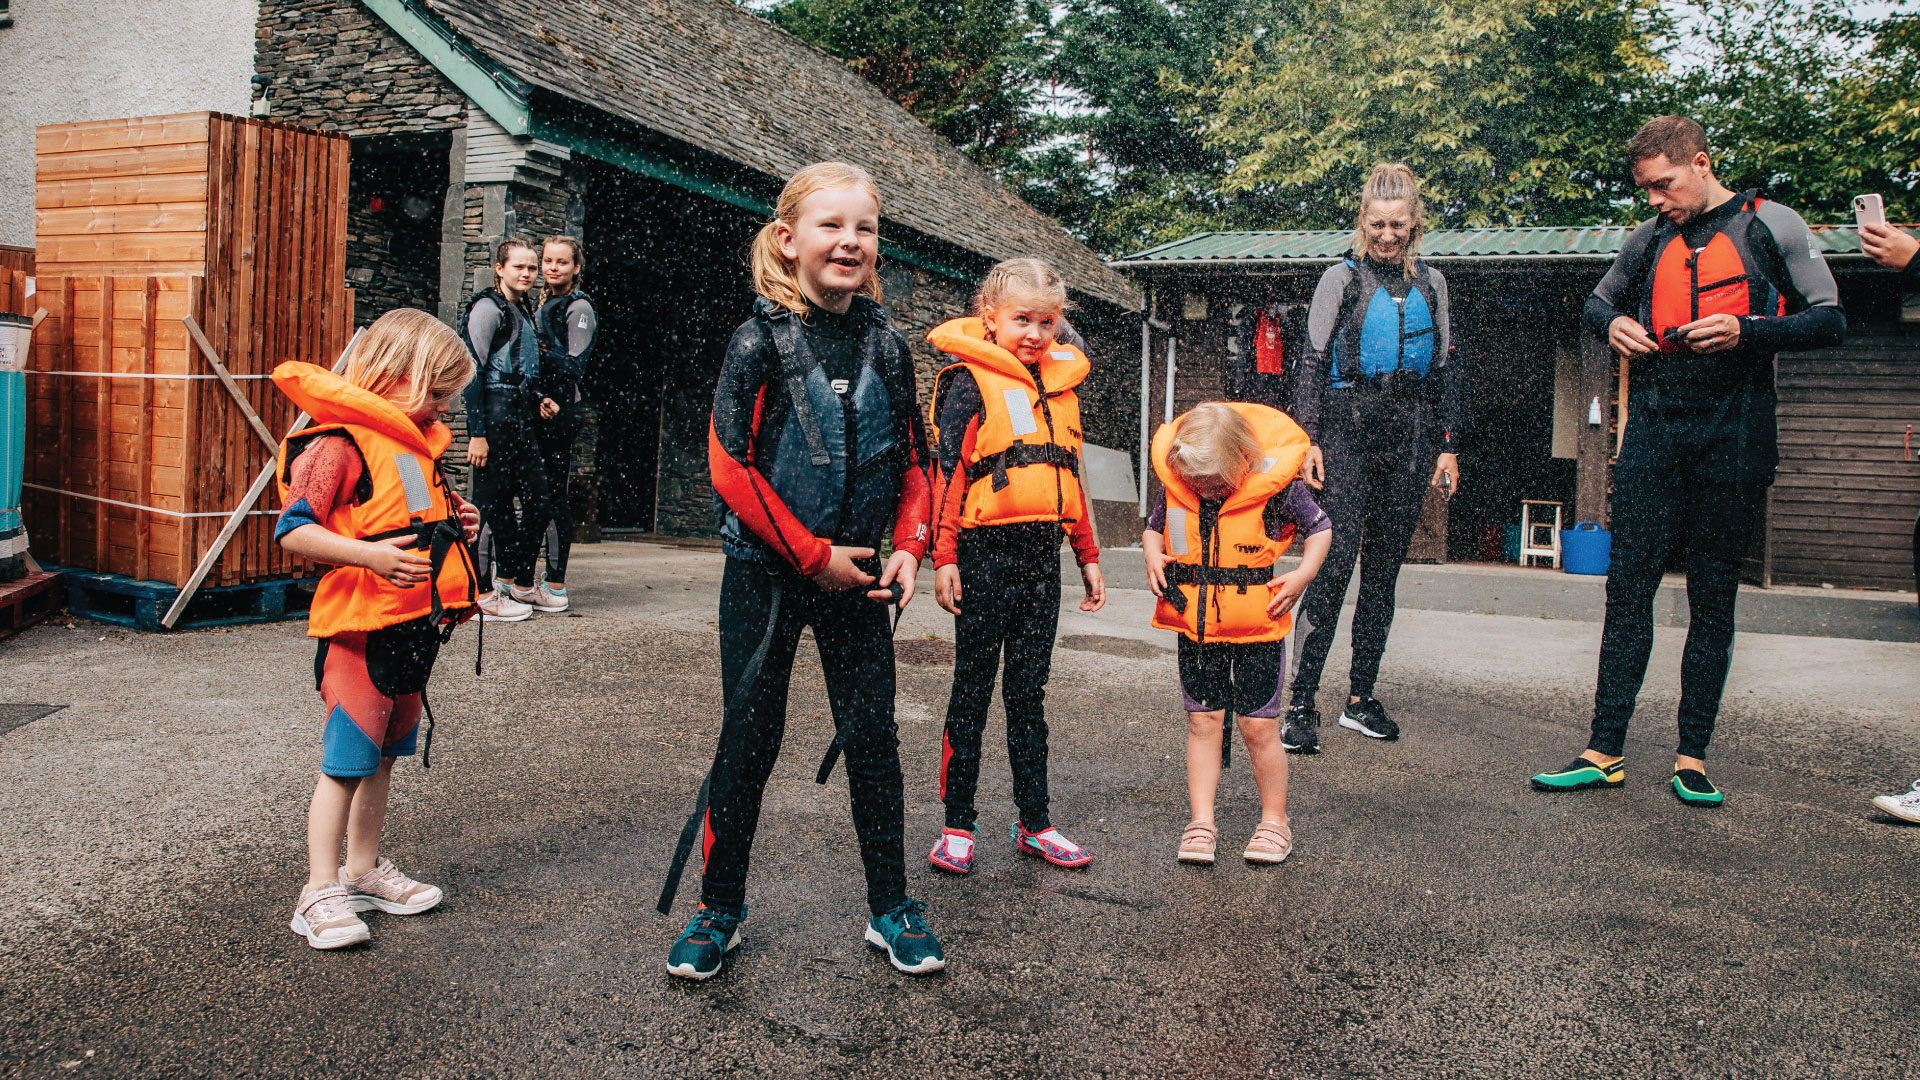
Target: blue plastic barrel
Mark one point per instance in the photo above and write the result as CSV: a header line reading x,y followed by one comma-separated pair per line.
x,y
1586,549
15,334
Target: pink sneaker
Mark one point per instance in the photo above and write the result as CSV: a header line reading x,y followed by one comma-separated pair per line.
x,y
324,918
953,852
1051,846
384,887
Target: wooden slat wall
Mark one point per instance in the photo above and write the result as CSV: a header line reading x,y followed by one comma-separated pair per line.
x,y
13,259
249,236
1844,501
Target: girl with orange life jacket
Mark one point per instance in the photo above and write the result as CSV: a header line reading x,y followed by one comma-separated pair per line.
x,y
1231,506
1007,423
364,493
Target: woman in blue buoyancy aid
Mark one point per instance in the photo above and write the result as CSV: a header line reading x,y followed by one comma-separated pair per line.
x,y
1384,404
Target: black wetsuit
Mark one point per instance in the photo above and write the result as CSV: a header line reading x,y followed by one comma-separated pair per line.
x,y
771,551
1698,453
505,344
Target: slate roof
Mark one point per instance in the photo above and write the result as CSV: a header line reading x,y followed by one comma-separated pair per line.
x,y
1596,242
718,77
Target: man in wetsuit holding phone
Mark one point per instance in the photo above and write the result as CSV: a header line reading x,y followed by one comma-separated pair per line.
x,y
1698,303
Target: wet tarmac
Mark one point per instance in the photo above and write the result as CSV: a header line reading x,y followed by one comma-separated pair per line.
x,y
1437,919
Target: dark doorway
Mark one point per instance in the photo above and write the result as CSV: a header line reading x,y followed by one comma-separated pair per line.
x,y
396,189
1508,326
669,276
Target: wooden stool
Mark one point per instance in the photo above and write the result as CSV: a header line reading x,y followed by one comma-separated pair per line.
x,y
1530,546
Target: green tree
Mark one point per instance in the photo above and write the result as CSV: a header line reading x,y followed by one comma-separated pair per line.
x,y
1116,161
1511,111
961,66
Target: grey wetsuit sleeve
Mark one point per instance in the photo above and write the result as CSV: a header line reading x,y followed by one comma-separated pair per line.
x,y
581,327
482,323
1618,292
1814,318
1311,375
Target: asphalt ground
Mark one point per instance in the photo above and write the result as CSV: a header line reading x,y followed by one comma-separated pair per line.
x,y
1438,918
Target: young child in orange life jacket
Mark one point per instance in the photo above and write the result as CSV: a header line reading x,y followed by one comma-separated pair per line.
x,y
1007,423
364,494
1231,506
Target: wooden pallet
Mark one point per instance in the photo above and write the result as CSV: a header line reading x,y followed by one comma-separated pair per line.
x,y
118,599
28,600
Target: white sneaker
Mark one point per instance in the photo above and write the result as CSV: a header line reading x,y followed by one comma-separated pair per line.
x,y
542,597
1906,807
497,606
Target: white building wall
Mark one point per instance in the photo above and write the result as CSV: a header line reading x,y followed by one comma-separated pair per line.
x,y
68,60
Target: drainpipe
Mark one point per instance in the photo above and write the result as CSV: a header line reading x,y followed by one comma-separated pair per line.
x,y
1148,324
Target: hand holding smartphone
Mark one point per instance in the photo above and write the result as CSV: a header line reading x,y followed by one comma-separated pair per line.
x,y
1869,210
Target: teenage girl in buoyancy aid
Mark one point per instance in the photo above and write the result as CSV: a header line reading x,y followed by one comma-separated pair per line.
x,y
501,413
816,446
1230,507
1007,490
568,328
1379,396
364,494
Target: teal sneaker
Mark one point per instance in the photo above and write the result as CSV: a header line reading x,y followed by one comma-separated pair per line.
x,y
910,946
710,935
1580,773
1692,787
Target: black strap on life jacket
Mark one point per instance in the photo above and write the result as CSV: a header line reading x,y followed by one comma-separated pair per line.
x,y
795,366
1018,455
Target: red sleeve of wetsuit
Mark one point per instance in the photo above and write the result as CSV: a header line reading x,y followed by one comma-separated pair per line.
x,y
912,517
1080,534
748,494
950,498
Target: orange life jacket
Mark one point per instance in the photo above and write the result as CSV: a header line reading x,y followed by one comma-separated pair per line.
x,y
405,495
1688,284
1023,460
1223,557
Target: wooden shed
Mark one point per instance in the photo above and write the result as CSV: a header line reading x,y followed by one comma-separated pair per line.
x,y
136,452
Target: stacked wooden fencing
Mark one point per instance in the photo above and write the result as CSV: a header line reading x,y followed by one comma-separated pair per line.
x,y
136,452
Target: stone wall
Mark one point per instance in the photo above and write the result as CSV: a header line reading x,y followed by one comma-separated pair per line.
x,y
335,65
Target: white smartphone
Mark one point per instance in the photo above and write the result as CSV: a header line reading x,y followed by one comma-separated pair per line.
x,y
1869,210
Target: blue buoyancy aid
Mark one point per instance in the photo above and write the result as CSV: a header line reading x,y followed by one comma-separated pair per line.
x,y
1381,333
835,461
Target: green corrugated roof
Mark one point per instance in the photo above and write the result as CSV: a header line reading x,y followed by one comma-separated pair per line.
x,y
1597,242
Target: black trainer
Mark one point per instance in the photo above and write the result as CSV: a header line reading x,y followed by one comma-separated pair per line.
x,y
1368,717
1301,733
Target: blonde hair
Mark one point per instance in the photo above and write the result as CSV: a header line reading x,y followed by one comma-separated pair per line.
x,y
1214,449
1391,180
1028,278
411,346
774,275
579,256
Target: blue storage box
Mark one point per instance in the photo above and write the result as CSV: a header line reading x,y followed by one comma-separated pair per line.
x,y
1586,549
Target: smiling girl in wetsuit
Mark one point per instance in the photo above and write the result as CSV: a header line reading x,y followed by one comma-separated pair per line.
x,y
816,446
